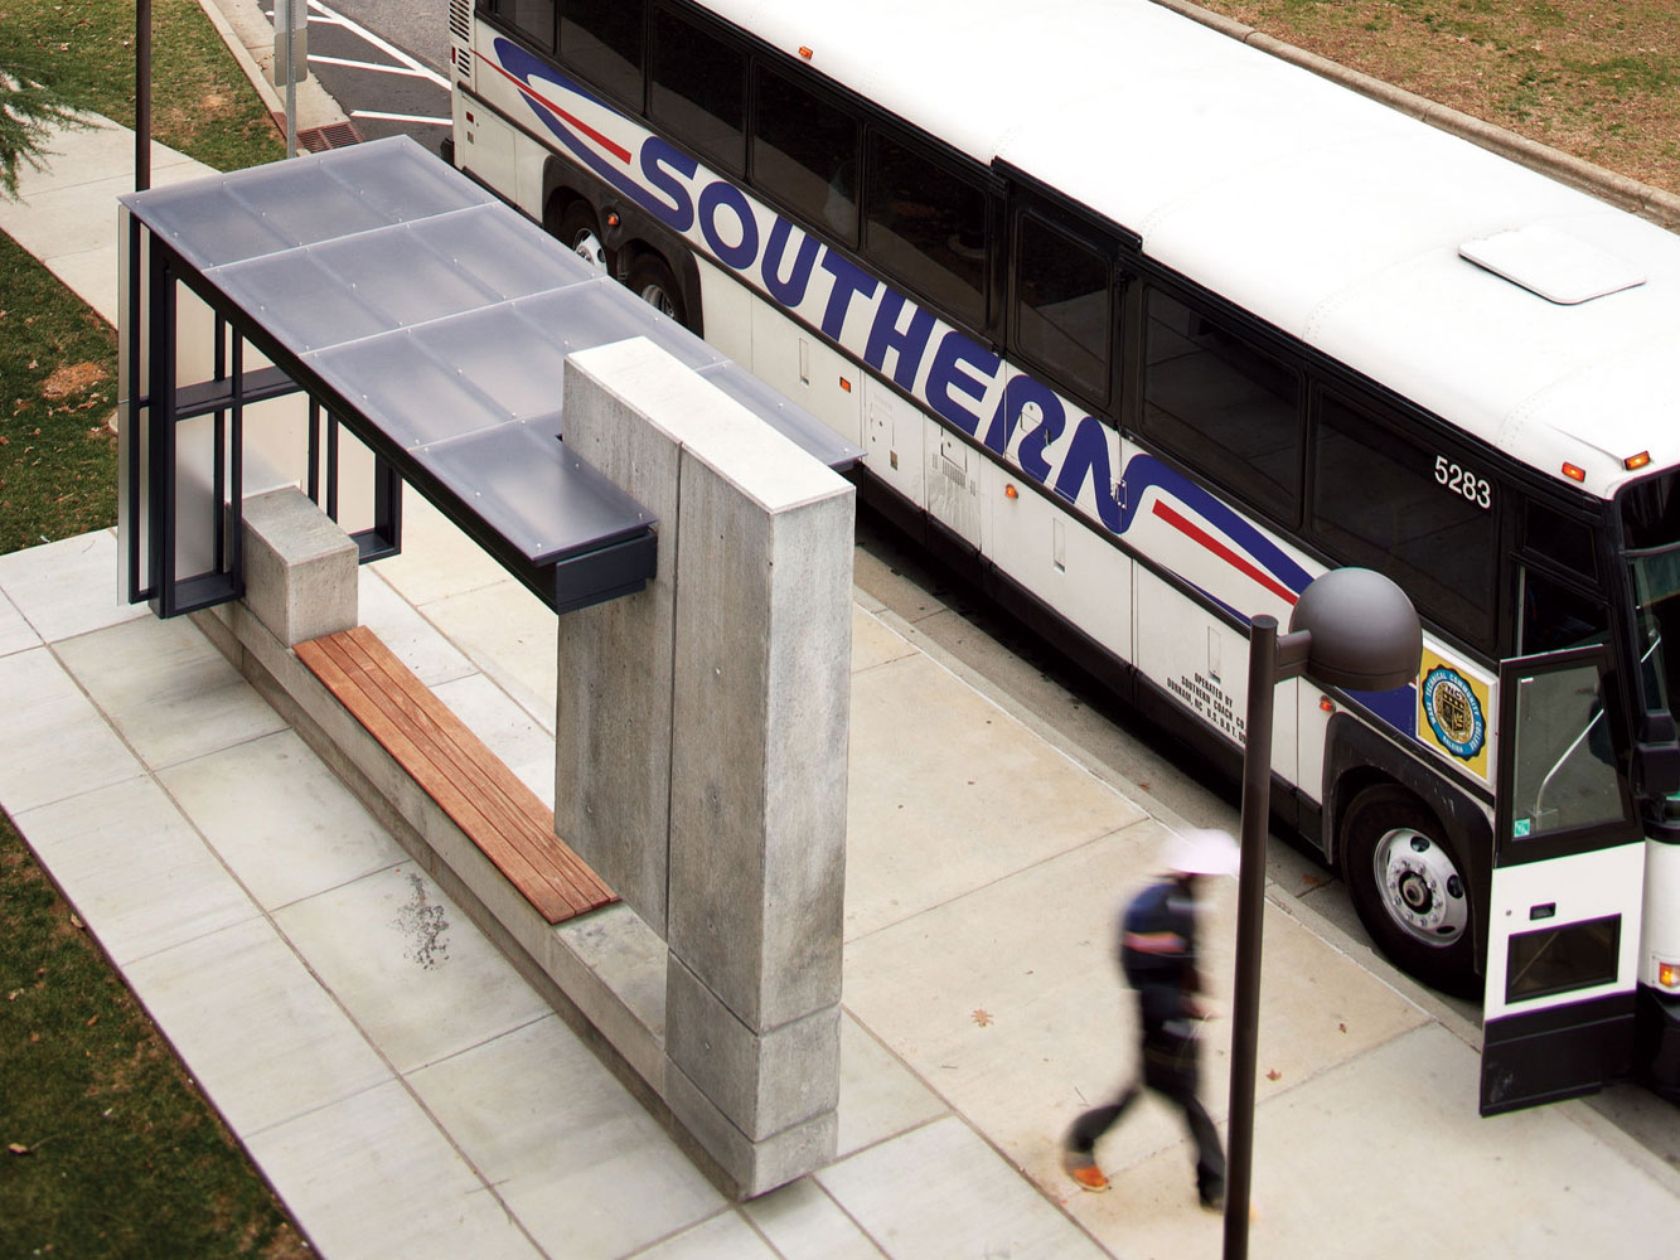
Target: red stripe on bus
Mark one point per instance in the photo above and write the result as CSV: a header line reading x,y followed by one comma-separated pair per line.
x,y
1192,530
611,146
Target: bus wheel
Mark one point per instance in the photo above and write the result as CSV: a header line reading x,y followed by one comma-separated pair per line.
x,y
1409,888
579,233
651,280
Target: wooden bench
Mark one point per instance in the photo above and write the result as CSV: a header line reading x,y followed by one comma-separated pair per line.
x,y
497,812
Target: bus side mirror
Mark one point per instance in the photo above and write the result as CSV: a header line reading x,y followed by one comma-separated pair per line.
x,y
1656,757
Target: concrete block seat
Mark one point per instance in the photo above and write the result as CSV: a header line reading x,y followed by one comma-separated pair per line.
x,y
490,805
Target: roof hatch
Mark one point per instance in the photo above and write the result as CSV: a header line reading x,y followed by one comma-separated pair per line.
x,y
1552,263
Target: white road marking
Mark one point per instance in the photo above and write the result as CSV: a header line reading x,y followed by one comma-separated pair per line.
x,y
366,65
407,118
396,54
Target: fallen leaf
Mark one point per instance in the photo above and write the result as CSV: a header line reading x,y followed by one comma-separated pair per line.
x,y
34,1037
14,995
76,922
17,1148
91,1021
1272,1074
982,1018
1341,1028
1313,881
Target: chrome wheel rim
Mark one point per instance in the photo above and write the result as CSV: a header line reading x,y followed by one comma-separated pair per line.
x,y
655,296
588,247
1421,889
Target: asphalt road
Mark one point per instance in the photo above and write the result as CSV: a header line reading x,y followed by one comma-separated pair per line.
x,y
386,62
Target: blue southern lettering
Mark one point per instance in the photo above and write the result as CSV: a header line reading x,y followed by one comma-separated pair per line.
x,y
1087,457
1020,391
1031,453
741,256
848,280
907,345
955,353
656,157
789,292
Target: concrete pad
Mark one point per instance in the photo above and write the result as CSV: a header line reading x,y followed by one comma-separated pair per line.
x,y
91,274
16,634
280,819
890,589
414,640
510,634
941,1191
949,793
53,744
506,729
724,1237
803,1223
79,155
167,689
136,870
437,559
873,643
68,587
574,1156
879,1096
372,1175
1010,1001
419,979
254,1028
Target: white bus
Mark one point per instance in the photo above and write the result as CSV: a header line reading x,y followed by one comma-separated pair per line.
x,y
1149,329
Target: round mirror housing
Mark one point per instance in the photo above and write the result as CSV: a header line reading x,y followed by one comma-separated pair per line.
x,y
1365,632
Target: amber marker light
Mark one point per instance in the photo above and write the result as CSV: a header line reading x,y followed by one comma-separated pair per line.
x,y
806,53
1668,975
1010,492
1633,462
1327,704
612,218
1574,473
845,385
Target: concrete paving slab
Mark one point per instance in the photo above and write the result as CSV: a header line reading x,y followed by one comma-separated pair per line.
x,y
16,634
419,979
54,744
507,730
415,641
437,559
874,643
68,587
573,1155
254,1027
941,1191
167,690
372,1176
879,1096
80,155
949,793
136,870
803,1223
890,589
724,1237
281,820
511,637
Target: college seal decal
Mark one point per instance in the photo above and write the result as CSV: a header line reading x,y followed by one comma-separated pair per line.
x,y
1454,712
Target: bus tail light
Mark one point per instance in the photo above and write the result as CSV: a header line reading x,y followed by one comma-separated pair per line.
x,y
1668,975
1574,472
1634,462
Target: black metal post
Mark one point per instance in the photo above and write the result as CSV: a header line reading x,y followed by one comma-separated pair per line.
x,y
1251,904
142,95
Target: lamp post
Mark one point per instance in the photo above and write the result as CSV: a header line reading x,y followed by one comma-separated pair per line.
x,y
1351,628
142,95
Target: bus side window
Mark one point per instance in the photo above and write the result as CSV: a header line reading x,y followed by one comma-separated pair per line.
x,y
1413,512
926,225
1063,315
699,89
1553,616
1224,404
805,152
531,20
602,41
1562,540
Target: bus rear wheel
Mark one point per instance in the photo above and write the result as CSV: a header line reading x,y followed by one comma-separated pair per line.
x,y
651,280
579,233
1410,889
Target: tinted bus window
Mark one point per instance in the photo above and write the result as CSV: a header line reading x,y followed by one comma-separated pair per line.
x,y
1063,312
602,41
699,89
1384,502
531,20
927,225
1224,405
805,152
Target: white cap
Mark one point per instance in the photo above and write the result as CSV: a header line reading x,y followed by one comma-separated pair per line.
x,y
1202,852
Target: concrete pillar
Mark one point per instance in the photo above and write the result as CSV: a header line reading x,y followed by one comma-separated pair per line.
x,y
300,567
738,658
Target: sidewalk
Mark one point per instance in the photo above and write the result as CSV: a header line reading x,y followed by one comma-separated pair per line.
x,y
407,1093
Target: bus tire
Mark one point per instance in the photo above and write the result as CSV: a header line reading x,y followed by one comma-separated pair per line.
x,y
1410,888
651,280
579,233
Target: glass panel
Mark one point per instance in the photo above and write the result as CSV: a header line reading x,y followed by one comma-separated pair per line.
x,y
699,89
1559,538
1656,593
1224,405
1556,960
805,152
1063,321
602,41
532,20
1564,768
1554,617
927,225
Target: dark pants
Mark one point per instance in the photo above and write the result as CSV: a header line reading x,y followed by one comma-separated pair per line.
x,y
1171,1067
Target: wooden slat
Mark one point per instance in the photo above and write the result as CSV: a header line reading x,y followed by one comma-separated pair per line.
x,y
492,806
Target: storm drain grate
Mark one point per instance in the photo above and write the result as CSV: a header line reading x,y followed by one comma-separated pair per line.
x,y
333,136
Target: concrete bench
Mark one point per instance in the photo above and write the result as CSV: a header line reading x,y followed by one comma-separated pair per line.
x,y
491,806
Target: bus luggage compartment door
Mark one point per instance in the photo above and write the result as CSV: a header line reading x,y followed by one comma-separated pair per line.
x,y
1568,889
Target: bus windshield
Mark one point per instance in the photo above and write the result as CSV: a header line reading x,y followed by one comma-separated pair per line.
x,y
1651,536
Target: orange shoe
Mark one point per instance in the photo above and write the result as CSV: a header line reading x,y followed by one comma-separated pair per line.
x,y
1084,1170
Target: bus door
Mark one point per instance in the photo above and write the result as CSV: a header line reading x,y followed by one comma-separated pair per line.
x,y
1569,863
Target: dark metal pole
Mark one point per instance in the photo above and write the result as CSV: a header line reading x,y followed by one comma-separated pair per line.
x,y
142,95
1251,905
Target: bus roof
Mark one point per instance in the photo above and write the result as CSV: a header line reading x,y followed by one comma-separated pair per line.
x,y
1327,214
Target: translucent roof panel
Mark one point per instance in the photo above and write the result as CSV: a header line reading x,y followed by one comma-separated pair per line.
x,y
601,312
412,394
508,359
510,255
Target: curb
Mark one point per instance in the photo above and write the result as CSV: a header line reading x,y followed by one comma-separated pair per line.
x,y
1655,204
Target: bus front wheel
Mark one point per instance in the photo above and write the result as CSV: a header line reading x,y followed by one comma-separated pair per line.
x,y
651,280
1410,888
579,233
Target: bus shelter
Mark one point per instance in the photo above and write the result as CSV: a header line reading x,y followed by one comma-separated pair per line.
x,y
361,320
